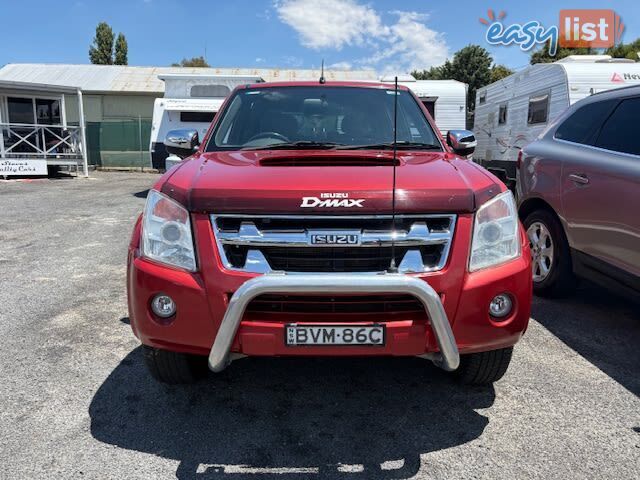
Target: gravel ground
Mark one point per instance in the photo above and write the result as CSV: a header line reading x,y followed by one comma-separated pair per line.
x,y
76,401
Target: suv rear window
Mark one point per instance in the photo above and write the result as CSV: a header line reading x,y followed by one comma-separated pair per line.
x,y
620,132
583,124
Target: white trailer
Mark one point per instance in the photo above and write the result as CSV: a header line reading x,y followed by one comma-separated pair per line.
x,y
512,112
446,100
190,102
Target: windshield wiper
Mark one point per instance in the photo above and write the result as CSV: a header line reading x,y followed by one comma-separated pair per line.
x,y
295,145
400,145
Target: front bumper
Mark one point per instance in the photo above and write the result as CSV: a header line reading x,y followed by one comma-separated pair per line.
x,y
209,309
447,357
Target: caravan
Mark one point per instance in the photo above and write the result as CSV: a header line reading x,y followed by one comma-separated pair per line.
x,y
512,112
190,102
446,100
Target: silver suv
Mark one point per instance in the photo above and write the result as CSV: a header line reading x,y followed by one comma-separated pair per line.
x,y
579,195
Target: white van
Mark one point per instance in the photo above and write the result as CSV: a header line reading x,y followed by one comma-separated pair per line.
x,y
512,112
190,102
446,100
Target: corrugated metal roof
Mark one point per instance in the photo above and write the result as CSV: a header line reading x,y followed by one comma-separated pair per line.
x,y
127,79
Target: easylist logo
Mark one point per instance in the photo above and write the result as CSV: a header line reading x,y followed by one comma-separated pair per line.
x,y
331,200
590,28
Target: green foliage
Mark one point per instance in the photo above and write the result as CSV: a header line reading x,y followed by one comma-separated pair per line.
x,y
626,50
192,62
101,50
498,72
543,56
121,50
442,72
471,65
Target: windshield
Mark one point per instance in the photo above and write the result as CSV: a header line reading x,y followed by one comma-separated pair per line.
x,y
321,117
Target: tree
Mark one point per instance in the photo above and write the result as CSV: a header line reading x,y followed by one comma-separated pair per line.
x,y
442,72
498,72
470,65
101,52
121,50
192,62
626,50
543,56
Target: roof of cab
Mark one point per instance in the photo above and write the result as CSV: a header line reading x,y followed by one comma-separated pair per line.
x,y
354,84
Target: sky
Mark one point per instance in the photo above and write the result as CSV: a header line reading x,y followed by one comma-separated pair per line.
x,y
389,36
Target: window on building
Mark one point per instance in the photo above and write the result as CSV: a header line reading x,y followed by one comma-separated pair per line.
x,y
502,114
620,132
48,111
483,97
197,117
538,109
583,124
20,110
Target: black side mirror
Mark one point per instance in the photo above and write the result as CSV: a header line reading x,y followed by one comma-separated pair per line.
x,y
463,142
182,142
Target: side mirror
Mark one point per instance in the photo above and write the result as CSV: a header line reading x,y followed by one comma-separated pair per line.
x,y
182,142
463,142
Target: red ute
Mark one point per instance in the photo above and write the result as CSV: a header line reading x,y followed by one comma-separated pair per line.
x,y
280,235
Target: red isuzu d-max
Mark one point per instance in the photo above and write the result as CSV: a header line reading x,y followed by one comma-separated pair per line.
x,y
327,218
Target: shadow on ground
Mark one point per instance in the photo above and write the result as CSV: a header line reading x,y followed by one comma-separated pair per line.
x,y
291,418
601,327
141,193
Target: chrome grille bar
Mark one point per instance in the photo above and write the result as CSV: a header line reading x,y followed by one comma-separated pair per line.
x,y
420,231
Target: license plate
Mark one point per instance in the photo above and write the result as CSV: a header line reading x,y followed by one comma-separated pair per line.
x,y
305,335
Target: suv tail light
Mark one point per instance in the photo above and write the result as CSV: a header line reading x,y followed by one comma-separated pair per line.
x,y
519,161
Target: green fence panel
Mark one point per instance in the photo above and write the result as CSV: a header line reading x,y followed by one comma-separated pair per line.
x,y
123,143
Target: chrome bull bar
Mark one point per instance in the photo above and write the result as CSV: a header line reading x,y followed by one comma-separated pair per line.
x,y
447,358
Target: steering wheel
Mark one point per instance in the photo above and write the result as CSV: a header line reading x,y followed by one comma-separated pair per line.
x,y
275,135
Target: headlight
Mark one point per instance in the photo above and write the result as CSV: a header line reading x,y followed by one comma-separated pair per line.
x,y
166,232
496,236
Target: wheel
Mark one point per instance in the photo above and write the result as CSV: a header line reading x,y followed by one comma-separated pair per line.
x,y
551,258
485,367
173,367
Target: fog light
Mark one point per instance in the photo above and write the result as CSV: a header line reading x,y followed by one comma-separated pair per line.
x,y
500,306
163,306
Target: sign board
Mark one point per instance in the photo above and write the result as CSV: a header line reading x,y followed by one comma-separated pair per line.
x,y
14,166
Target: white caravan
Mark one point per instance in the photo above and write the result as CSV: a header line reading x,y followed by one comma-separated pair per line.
x,y
446,100
512,112
190,102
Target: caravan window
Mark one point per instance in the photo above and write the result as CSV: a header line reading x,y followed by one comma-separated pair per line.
x,y
197,117
502,114
210,91
538,109
581,126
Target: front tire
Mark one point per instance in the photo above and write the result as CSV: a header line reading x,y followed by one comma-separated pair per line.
x,y
551,258
174,368
484,368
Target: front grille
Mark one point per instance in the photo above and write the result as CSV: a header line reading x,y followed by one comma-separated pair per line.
x,y
289,243
332,259
354,304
